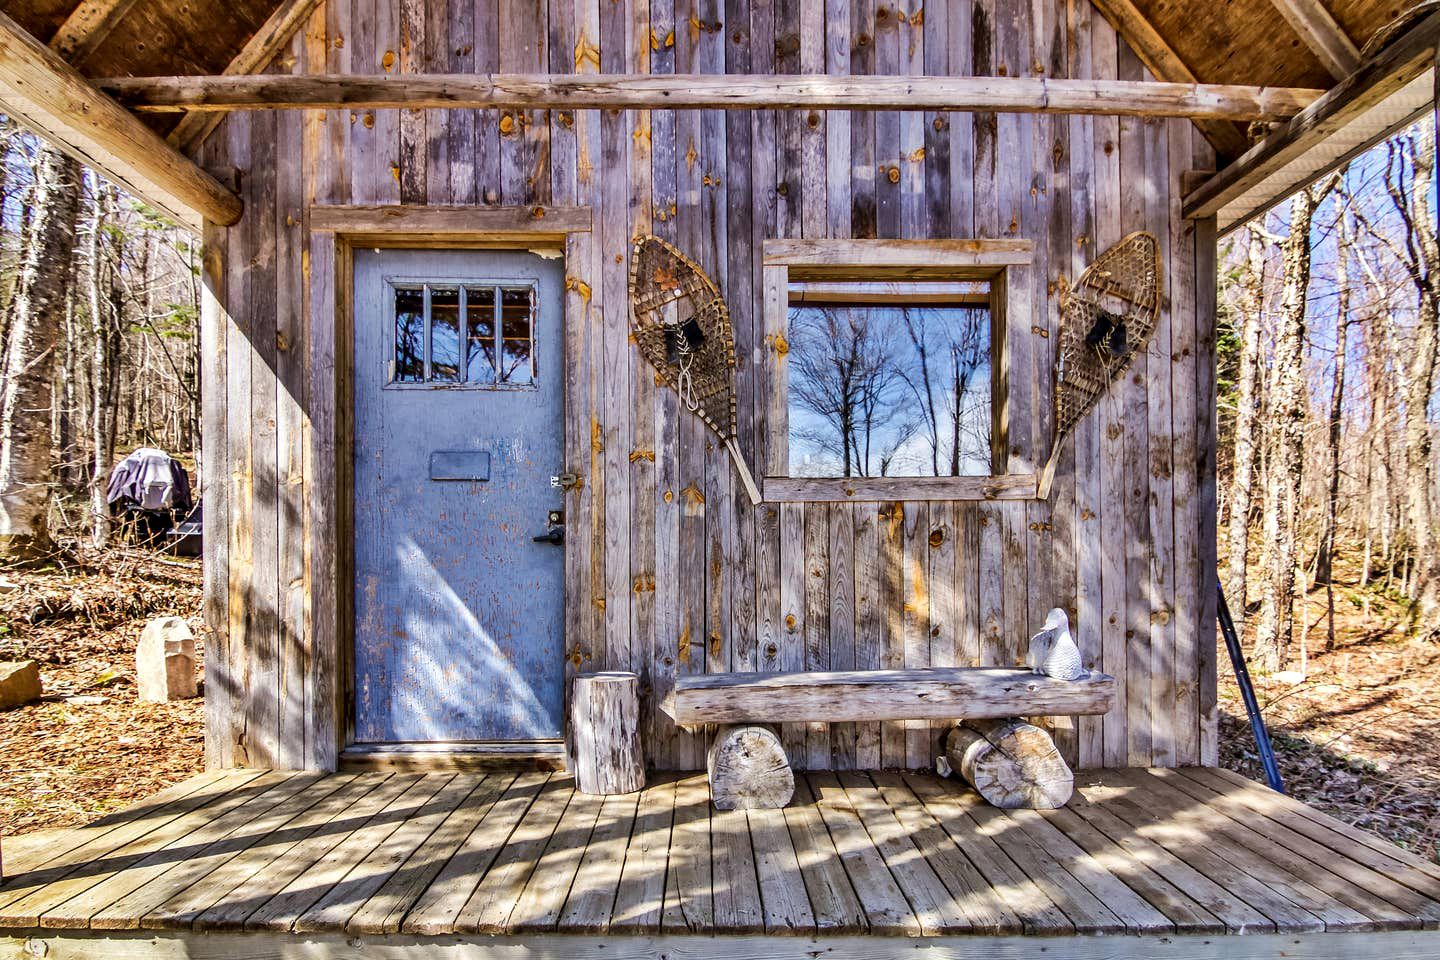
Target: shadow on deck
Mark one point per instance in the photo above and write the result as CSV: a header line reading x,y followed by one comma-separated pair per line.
x,y
258,862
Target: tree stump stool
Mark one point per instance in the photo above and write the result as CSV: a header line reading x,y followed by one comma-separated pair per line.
x,y
605,753
1012,764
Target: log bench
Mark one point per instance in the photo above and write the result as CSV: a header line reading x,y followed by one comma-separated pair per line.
x,y
747,765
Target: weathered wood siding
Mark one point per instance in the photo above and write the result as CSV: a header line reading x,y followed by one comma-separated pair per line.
x,y
671,570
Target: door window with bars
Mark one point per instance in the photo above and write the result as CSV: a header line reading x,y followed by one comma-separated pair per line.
x,y
477,334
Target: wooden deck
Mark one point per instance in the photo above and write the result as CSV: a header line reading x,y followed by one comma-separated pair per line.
x,y
1158,854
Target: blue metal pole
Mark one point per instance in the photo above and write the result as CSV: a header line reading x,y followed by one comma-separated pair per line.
x,y
1247,692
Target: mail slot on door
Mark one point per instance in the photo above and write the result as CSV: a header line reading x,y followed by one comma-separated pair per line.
x,y
460,465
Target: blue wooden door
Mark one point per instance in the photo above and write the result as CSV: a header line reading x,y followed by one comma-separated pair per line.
x,y
458,420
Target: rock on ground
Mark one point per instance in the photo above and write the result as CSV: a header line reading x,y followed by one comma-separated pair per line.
x,y
19,683
165,661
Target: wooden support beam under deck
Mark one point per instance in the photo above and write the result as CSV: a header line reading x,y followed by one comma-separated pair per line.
x,y
708,91
1385,74
1322,35
1162,60
48,96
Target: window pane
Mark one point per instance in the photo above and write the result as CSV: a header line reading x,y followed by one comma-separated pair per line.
x,y
889,389
409,335
517,360
444,334
480,341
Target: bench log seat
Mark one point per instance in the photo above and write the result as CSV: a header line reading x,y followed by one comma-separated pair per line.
x,y
931,693
747,764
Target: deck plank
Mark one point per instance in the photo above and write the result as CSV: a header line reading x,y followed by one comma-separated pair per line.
x,y
1341,905
783,897
985,908
886,909
639,895
439,906
282,910
385,910
1392,905
33,894
1139,915
118,843
1187,915
689,905
1342,830
333,911
735,888
935,906
833,903
1036,910
182,840
543,899
248,880
1237,915
27,853
489,907
1216,861
1311,837
590,903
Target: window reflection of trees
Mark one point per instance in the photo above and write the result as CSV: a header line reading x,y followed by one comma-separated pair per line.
x,y
882,390
498,345
409,336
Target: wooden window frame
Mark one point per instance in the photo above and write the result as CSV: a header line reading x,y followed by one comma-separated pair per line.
x,y
335,232
1002,264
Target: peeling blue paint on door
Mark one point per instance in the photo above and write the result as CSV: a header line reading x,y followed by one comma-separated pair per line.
x,y
457,608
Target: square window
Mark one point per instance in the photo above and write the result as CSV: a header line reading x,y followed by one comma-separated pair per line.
x,y
475,334
889,380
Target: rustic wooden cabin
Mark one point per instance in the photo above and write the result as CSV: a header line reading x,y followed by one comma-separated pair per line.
x,y
442,480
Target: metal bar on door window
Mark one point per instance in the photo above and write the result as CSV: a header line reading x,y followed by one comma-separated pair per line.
x,y
499,335
425,333
462,360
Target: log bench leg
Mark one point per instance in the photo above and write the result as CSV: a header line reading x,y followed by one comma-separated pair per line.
x,y
748,769
1012,764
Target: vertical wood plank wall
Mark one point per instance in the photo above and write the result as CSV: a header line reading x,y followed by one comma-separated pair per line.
x,y
675,572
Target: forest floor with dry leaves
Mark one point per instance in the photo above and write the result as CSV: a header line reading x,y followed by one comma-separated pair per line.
x,y
89,745
1358,737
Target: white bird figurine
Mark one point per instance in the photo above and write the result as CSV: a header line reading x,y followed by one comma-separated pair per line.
x,y
1053,651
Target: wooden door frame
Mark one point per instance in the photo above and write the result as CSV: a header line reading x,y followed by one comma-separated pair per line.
x,y
335,232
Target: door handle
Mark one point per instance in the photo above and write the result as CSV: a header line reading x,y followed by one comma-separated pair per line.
x,y
555,535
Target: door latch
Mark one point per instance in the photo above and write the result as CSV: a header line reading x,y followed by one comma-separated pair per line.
x,y
565,481
555,535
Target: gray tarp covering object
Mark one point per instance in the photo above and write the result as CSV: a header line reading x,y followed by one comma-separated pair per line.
x,y
150,479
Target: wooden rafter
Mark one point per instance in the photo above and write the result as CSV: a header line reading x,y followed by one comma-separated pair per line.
x,y
1162,61
708,91
1322,35
1384,74
257,53
87,27
47,95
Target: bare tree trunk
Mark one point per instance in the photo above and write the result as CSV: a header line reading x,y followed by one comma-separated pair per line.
x,y
1289,403
36,322
1247,410
1325,563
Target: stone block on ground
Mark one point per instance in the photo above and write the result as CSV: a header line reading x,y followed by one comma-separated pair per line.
x,y
165,661
19,683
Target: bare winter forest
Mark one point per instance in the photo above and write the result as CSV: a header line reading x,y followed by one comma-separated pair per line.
x,y
1329,332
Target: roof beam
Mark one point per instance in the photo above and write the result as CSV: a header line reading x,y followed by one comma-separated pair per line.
x,y
707,91
1384,74
87,27
1162,61
257,54
1322,35
47,95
